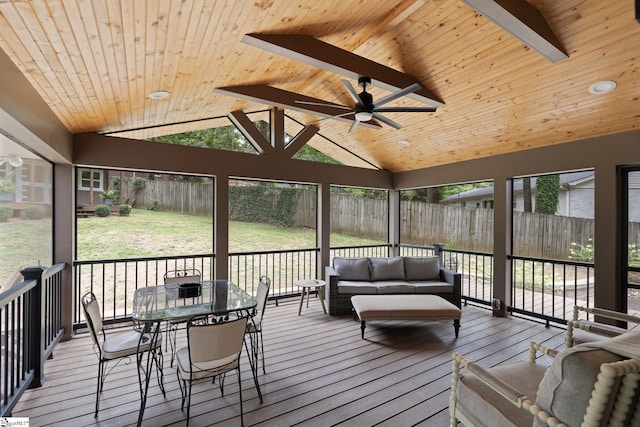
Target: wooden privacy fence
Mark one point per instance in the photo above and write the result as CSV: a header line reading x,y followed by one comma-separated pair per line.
x,y
185,197
534,234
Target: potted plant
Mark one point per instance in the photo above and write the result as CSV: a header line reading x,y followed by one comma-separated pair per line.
x,y
109,195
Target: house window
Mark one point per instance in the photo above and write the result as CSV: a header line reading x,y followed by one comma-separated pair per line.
x,y
89,178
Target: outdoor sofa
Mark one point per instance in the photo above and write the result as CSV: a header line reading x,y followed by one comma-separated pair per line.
x,y
383,276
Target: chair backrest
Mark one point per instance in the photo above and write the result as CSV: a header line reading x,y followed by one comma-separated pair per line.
x,y
261,297
215,341
184,275
93,316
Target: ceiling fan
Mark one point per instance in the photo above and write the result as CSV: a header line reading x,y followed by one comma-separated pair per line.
x,y
365,109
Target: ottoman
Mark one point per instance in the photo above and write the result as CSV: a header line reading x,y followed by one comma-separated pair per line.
x,y
404,307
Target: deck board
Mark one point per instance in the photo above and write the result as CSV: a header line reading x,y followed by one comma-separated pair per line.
x,y
319,373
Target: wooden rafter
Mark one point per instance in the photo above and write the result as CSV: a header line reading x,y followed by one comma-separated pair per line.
x,y
312,51
290,100
524,22
276,146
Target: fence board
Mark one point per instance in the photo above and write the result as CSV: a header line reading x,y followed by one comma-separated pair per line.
x,y
534,234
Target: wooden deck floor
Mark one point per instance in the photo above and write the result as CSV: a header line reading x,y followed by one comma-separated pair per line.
x,y
319,373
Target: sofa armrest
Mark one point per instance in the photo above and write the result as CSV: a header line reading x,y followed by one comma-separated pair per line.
x,y
455,279
331,278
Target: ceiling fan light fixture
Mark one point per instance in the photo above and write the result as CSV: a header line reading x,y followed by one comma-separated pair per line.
x,y
602,87
364,116
404,143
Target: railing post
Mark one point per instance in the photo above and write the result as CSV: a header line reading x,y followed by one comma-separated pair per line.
x,y
439,253
35,332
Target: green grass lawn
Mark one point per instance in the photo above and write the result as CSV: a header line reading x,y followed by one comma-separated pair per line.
x,y
149,233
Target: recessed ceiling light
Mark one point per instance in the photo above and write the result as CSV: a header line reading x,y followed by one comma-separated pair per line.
x,y
600,88
159,94
404,143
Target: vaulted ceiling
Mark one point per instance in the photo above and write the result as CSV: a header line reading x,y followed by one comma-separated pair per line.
x,y
96,62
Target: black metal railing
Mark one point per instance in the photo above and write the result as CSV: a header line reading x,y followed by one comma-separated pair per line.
x,y
476,268
114,281
381,250
548,289
283,267
30,327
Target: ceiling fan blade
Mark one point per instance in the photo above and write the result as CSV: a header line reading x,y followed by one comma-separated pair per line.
x,y
324,104
347,84
385,120
354,125
399,93
331,117
405,110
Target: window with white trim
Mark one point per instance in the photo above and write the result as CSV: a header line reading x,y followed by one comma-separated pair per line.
x,y
90,178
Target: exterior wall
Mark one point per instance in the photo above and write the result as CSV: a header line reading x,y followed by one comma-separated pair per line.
x,y
25,118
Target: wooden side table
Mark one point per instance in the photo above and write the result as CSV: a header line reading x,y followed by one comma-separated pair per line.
x,y
305,287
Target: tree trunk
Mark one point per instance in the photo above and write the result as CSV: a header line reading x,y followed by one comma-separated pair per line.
x,y
526,194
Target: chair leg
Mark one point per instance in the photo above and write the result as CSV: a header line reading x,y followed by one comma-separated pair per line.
x,y
222,377
98,388
240,393
264,370
189,402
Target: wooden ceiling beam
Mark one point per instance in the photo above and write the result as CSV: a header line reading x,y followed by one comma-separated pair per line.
x,y
266,94
317,53
301,139
251,132
524,22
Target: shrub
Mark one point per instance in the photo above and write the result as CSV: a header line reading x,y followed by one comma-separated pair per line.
x,y
153,206
124,210
139,184
34,212
580,252
6,212
102,210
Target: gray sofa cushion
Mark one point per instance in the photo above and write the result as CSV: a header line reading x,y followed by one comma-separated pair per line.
x,y
352,268
357,287
394,287
387,268
422,268
432,287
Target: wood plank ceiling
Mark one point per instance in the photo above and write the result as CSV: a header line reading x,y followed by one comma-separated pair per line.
x,y
96,62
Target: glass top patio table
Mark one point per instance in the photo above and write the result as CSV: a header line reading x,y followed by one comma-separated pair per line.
x,y
180,301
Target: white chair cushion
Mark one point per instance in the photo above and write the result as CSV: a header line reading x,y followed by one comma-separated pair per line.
x,y
479,402
126,343
203,369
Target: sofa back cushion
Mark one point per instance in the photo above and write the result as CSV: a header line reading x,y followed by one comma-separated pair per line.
x,y
352,268
566,387
387,268
422,268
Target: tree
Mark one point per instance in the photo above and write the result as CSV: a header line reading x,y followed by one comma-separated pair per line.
x,y
526,194
547,192
231,139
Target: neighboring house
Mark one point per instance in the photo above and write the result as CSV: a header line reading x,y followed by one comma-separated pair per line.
x,y
92,182
576,196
